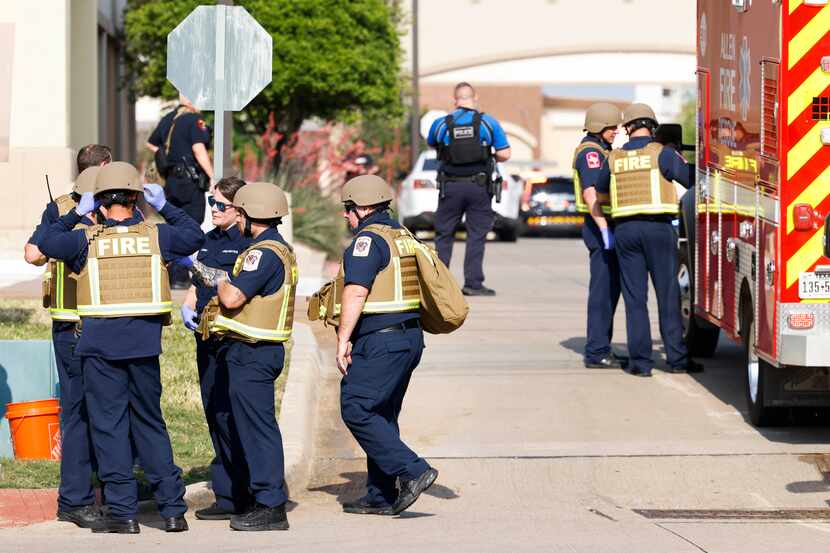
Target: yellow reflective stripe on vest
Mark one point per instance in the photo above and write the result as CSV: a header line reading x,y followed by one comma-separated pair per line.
x,y
59,312
125,309
224,323
95,309
67,315
284,309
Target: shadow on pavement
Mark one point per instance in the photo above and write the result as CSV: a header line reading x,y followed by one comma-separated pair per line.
x,y
724,378
355,485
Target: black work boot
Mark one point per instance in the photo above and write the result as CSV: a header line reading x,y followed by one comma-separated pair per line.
x,y
261,518
175,524
110,525
607,362
410,490
483,291
87,516
214,512
363,506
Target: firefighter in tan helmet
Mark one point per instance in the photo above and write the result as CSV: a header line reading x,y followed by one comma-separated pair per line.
x,y
254,313
643,203
123,302
601,126
379,344
76,501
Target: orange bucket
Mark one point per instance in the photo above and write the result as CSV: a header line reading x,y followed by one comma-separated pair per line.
x,y
35,428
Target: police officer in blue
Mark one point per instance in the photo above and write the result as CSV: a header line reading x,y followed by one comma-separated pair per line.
x,y
254,313
601,123
469,143
379,345
184,137
639,178
123,301
216,258
76,500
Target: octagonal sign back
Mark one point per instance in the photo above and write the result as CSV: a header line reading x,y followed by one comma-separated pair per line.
x,y
192,57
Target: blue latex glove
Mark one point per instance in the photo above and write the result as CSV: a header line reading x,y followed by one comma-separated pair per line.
x,y
607,238
190,318
86,205
185,262
154,194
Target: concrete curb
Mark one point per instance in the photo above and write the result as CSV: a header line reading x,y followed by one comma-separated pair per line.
x,y
297,419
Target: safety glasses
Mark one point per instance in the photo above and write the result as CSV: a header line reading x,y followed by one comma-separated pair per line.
x,y
221,206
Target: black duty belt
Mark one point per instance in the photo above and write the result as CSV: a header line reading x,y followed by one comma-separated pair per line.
x,y
401,327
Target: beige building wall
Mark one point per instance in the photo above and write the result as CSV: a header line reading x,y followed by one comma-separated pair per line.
x,y
39,141
65,88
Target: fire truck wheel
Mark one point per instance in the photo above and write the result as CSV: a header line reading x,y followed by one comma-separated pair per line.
x,y
701,337
755,376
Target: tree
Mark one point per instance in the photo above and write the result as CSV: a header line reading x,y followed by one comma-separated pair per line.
x,y
333,59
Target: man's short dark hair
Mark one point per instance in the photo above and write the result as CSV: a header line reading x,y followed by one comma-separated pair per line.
x,y
229,186
126,198
459,86
93,155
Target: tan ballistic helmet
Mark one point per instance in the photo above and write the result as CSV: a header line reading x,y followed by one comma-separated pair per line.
x,y
638,111
118,175
366,190
86,180
600,116
261,200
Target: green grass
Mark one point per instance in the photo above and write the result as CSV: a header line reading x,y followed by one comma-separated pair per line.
x,y
181,401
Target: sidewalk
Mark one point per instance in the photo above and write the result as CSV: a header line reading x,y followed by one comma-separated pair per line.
x,y
24,507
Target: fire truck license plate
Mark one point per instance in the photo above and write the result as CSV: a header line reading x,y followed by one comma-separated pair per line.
x,y
814,286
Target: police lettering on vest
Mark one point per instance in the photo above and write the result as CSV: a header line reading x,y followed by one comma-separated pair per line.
x,y
638,186
262,318
124,274
581,206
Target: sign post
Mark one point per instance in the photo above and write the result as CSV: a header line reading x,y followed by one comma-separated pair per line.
x,y
220,58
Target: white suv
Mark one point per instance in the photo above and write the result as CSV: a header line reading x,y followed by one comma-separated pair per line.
x,y
418,199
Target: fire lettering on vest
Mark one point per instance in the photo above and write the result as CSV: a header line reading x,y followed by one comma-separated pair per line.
x,y
634,163
125,245
406,245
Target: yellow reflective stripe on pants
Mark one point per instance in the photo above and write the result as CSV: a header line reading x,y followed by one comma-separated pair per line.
x,y
223,323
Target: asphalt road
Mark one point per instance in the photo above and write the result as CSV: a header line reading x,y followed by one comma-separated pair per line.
x,y
537,453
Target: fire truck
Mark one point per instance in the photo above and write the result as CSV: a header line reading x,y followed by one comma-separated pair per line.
x,y
754,256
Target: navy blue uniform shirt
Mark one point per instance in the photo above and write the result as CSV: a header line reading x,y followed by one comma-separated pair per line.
x,y
362,269
190,129
220,250
262,273
588,166
672,165
438,131
122,337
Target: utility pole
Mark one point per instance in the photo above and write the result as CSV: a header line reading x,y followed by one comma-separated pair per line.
x,y
415,115
227,142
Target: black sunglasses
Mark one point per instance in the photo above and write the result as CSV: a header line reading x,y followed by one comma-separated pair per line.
x,y
221,206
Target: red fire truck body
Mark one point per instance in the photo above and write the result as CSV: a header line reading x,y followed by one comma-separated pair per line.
x,y
752,253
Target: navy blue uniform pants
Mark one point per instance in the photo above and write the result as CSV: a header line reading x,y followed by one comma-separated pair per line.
x,y
252,370
603,293
228,470
371,396
123,398
650,248
460,198
185,194
77,458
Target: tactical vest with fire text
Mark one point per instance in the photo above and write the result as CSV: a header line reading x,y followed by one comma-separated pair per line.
x,y
637,185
